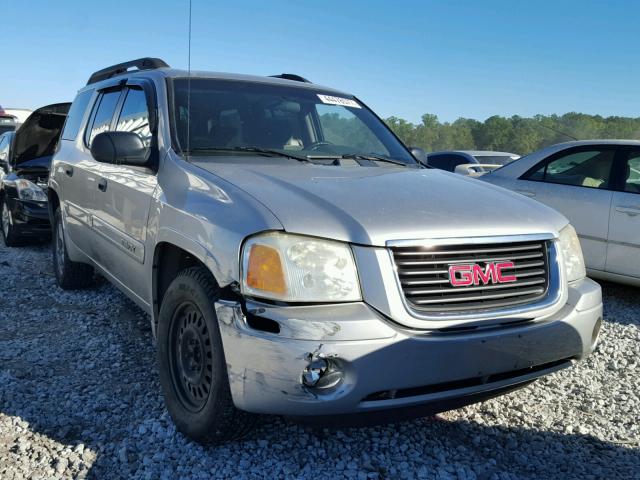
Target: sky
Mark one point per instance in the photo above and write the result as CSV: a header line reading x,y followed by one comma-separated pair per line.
x,y
471,59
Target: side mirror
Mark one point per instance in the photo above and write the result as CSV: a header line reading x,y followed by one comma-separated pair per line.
x,y
120,148
419,154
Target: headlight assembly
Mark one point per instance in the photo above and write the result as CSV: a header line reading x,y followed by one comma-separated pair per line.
x,y
30,191
295,268
571,254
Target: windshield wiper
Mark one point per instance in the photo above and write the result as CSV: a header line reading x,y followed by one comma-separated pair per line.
x,y
373,158
262,151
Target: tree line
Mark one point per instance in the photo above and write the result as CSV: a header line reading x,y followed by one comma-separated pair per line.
x,y
515,134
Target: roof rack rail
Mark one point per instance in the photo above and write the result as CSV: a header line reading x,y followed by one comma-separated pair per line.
x,y
146,63
291,76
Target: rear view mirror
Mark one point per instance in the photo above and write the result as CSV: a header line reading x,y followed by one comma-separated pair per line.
x,y
120,148
419,154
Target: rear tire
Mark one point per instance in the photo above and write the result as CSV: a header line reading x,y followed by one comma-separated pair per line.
x,y
9,234
69,275
193,371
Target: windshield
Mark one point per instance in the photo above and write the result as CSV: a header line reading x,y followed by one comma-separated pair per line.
x,y
233,117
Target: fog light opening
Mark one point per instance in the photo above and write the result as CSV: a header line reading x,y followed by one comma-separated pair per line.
x,y
596,333
321,373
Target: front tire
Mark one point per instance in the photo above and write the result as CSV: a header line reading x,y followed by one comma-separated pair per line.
x,y
69,275
9,234
193,371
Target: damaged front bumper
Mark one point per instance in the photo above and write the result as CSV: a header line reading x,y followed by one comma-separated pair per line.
x,y
29,218
381,365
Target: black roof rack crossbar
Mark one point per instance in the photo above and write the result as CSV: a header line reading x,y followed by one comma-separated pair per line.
x,y
291,76
146,63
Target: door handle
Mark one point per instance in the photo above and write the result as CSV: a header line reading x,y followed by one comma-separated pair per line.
x,y
628,209
526,193
102,185
68,169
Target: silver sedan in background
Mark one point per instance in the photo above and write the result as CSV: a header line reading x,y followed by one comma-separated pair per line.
x,y
596,185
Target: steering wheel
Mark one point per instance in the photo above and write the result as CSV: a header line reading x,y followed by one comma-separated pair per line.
x,y
315,145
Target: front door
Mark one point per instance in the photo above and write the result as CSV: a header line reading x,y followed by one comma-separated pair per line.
x,y
623,251
80,171
577,183
123,199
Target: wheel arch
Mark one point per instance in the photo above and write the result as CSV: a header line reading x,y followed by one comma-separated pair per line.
x,y
53,202
174,252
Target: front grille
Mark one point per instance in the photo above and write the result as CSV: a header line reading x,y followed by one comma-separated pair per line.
x,y
424,275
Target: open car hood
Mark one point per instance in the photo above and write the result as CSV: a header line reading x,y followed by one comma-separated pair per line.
x,y
38,135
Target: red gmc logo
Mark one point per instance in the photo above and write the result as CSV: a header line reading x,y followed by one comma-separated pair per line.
x,y
465,275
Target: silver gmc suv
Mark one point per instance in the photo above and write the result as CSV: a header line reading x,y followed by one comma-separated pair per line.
x,y
295,259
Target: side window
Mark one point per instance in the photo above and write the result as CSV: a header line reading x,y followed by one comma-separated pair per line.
x,y
103,113
587,168
75,115
134,116
632,173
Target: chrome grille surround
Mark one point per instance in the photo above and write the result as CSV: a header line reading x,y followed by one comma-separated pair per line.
x,y
528,308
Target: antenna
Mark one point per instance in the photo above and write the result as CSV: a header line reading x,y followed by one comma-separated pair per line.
x,y
189,89
557,131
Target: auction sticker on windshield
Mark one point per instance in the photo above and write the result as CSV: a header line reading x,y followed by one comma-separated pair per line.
x,y
345,102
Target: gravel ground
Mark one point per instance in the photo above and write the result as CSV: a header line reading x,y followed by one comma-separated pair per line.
x,y
79,397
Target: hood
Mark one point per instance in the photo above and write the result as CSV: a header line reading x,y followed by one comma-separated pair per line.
x,y
36,164
372,205
38,135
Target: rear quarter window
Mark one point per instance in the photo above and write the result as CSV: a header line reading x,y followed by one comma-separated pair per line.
x,y
76,114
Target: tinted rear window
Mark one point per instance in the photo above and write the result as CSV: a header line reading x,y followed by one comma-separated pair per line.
x,y
447,162
76,113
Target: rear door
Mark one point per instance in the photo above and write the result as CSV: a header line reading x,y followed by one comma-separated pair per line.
x,y
578,183
623,250
123,198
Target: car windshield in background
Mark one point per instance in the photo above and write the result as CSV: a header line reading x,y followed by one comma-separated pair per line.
x,y
245,117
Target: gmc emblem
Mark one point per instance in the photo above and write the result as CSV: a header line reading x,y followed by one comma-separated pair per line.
x,y
465,275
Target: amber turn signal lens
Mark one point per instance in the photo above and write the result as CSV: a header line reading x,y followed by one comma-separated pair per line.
x,y
265,270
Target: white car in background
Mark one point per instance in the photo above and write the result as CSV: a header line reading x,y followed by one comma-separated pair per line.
x,y
20,114
596,185
472,163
